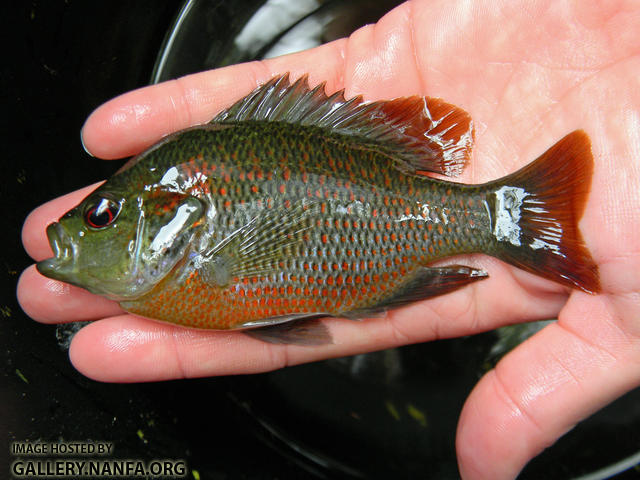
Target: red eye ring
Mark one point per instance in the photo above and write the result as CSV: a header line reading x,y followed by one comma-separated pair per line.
x,y
102,214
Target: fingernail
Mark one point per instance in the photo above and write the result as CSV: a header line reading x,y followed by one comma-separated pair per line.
x,y
83,144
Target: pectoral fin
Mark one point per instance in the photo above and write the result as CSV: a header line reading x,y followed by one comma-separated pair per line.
x,y
427,282
257,248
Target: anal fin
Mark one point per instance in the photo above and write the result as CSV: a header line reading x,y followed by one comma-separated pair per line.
x,y
309,331
427,282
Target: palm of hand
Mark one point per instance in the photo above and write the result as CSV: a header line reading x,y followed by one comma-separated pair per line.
x,y
528,73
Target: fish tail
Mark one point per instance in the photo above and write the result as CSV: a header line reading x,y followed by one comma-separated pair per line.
x,y
536,211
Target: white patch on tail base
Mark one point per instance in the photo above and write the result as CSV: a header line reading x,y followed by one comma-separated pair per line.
x,y
508,213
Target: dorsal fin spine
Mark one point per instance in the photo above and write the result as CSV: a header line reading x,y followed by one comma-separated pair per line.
x,y
422,133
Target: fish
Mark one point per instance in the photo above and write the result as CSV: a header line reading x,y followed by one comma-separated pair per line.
x,y
292,205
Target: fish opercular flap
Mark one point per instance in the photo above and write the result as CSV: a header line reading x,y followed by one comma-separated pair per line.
x,y
167,235
162,242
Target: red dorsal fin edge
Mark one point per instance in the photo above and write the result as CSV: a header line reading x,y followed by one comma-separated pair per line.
x,y
426,134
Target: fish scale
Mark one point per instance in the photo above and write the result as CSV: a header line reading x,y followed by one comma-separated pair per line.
x,y
292,204
370,232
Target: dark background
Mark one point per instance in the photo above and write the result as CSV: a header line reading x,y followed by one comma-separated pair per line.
x,y
61,60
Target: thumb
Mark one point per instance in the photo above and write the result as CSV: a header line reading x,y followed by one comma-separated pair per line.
x,y
544,387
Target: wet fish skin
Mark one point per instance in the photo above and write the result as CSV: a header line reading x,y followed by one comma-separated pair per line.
x,y
368,226
274,213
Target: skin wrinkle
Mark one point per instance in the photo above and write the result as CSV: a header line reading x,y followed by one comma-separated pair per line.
x,y
257,70
397,334
179,360
339,79
124,339
119,117
279,356
422,84
570,331
546,67
435,326
141,112
174,107
464,304
473,305
558,101
568,371
189,101
471,466
488,122
57,288
619,319
518,410
519,279
356,73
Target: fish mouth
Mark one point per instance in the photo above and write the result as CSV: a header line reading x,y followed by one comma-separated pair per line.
x,y
61,265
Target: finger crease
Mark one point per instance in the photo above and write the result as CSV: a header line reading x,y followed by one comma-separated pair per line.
x,y
179,360
510,400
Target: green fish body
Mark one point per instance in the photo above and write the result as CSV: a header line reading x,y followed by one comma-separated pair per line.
x,y
292,205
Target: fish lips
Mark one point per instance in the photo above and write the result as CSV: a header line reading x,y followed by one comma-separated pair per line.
x,y
61,265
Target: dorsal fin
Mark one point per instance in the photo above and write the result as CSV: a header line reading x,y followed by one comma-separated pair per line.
x,y
426,133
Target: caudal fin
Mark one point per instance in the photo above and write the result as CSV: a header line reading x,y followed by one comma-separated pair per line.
x,y
537,210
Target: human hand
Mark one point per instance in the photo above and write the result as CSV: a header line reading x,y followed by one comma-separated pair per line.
x,y
528,73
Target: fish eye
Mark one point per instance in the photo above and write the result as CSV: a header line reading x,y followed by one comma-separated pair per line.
x,y
102,213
